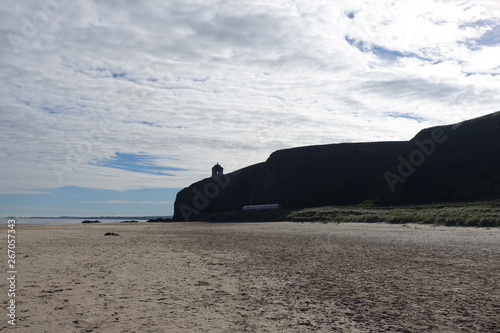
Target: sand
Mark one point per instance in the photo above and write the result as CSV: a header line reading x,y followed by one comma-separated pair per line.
x,y
255,277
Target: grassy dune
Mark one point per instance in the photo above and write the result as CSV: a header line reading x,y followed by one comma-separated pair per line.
x,y
484,214
451,214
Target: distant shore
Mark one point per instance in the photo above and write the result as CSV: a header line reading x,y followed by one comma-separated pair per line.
x,y
63,221
95,217
257,277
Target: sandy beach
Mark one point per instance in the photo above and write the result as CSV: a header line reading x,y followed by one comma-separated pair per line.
x,y
254,277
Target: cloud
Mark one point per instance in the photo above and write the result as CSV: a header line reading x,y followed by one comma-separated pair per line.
x,y
123,96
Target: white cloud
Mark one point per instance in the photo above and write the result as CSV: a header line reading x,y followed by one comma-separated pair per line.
x,y
198,82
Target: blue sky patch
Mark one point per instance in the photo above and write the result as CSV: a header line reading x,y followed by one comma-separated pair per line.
x,y
351,14
490,38
382,52
49,110
80,201
379,51
410,116
137,163
150,124
147,123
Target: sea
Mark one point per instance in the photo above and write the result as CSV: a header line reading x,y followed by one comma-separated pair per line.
x,y
49,221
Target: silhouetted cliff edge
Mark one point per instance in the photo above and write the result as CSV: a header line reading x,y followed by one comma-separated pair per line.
x,y
458,162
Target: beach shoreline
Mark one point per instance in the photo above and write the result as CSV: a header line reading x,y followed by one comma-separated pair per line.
x,y
255,277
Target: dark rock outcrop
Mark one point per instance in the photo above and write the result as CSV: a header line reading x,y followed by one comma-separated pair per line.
x,y
160,219
89,221
458,162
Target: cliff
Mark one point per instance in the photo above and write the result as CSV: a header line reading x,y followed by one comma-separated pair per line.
x,y
458,162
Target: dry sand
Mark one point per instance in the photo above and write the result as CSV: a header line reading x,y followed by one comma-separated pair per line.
x,y
255,277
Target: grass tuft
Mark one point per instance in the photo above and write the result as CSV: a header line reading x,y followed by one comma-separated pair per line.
x,y
455,214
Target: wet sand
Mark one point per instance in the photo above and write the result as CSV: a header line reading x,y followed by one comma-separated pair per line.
x,y
255,277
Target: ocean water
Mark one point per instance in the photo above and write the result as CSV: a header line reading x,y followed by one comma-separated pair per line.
x,y
34,221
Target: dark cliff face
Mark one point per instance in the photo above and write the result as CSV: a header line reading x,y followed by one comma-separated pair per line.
x,y
449,163
337,174
458,162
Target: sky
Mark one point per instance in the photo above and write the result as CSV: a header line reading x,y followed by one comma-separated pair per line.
x,y
111,107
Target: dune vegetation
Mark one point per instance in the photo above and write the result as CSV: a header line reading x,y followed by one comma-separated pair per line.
x,y
483,214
